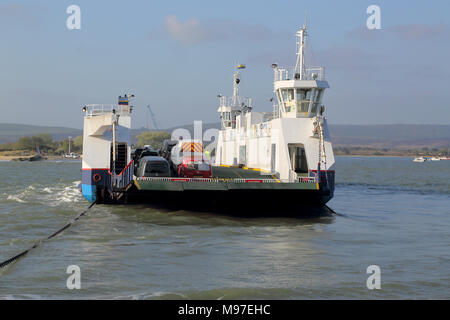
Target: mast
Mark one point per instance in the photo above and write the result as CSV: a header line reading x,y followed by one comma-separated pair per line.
x,y
237,80
300,65
236,88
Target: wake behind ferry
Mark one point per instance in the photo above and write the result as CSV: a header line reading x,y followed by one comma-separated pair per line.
x,y
271,160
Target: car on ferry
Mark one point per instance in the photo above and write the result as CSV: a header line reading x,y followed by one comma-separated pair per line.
x,y
153,166
192,167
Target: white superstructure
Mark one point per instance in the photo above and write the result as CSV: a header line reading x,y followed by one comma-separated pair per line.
x,y
292,140
106,145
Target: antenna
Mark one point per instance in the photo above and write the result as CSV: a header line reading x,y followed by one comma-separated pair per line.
x,y
306,18
300,65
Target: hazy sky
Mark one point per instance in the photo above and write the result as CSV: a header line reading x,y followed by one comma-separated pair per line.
x,y
178,55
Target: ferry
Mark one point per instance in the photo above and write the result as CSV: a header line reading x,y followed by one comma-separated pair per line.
x,y
271,160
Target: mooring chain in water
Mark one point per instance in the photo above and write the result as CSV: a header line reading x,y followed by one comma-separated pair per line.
x,y
20,255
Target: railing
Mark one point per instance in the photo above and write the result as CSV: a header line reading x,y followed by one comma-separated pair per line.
x,y
228,102
97,109
316,73
307,179
293,177
232,180
124,178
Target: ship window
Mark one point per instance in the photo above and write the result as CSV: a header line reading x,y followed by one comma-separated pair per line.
x,y
287,94
226,118
316,101
303,97
288,98
308,94
318,95
291,94
303,94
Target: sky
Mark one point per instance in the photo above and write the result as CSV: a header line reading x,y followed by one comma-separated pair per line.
x,y
177,56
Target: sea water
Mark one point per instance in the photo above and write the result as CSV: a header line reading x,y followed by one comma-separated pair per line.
x,y
392,213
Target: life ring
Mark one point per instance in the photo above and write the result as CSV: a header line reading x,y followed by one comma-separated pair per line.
x,y
97,177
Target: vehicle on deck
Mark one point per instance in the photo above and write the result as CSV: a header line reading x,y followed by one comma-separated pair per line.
x,y
139,153
167,148
153,166
188,159
195,167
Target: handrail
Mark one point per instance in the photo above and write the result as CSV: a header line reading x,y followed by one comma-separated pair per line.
x,y
96,109
232,180
289,73
121,172
124,178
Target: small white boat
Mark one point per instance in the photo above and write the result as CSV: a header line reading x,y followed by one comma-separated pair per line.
x,y
420,159
435,159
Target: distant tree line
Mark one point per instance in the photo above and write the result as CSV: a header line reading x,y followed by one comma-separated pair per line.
x,y
45,143
153,138
418,151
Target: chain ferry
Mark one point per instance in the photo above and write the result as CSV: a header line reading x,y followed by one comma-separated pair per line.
x,y
270,160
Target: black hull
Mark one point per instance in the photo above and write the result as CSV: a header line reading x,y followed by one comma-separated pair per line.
x,y
242,199
245,203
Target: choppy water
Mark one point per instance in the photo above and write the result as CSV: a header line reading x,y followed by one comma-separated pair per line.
x,y
394,214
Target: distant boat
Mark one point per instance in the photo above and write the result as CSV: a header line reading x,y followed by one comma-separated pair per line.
x,y
420,159
37,157
435,159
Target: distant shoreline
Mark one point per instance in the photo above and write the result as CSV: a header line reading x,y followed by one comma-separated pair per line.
x,y
53,158
48,158
375,155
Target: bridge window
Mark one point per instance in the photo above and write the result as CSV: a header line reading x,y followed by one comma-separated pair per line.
x,y
288,98
303,97
288,94
316,101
